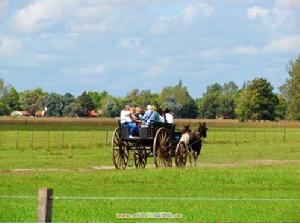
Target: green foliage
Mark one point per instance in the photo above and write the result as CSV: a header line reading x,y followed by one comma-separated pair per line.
x,y
32,100
86,104
179,101
218,101
141,98
97,98
257,101
280,109
291,89
54,104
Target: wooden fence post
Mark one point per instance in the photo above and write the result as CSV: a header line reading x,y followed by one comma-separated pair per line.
x,y
284,134
45,205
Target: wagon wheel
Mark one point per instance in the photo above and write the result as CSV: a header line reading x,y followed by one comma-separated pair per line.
x,y
162,148
140,158
181,154
120,150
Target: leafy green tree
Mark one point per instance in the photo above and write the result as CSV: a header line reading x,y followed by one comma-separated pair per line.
x,y
291,89
183,104
86,104
97,97
54,104
73,109
209,104
246,103
32,100
11,99
257,101
141,98
67,99
281,108
218,101
111,109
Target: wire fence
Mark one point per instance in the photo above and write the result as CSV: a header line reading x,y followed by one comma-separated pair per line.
x,y
54,139
87,139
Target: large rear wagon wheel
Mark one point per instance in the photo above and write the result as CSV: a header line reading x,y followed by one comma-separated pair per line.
x,y
181,154
162,147
120,151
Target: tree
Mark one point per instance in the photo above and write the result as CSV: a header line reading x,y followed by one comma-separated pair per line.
x,y
9,99
291,89
32,100
141,98
281,108
97,97
54,104
72,110
257,101
183,104
67,99
218,101
86,104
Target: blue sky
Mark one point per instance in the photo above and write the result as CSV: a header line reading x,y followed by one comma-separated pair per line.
x,y
119,45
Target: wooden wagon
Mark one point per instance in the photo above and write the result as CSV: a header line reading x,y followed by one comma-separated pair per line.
x,y
158,140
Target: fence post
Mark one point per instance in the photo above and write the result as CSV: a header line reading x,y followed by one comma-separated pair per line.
x,y
45,197
284,134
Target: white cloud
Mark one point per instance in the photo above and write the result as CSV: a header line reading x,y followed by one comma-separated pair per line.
x,y
92,70
131,42
87,72
209,54
3,5
257,12
284,44
8,46
159,68
41,14
288,4
191,11
186,16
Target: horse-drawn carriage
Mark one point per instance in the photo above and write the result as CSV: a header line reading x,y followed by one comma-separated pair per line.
x,y
158,140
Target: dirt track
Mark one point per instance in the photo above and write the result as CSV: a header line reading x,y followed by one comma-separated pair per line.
x,y
200,165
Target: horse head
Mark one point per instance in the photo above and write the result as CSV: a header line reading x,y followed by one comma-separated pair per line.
x,y
202,129
186,129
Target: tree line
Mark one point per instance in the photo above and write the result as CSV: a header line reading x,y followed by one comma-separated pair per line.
x,y
255,100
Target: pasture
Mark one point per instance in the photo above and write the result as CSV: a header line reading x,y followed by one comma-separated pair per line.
x,y
245,173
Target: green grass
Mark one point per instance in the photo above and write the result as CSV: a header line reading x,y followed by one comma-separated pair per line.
x,y
242,182
79,150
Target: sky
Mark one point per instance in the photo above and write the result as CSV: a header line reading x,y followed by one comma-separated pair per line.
x,y
120,45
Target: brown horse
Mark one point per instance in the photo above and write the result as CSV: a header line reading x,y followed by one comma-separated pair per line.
x,y
194,140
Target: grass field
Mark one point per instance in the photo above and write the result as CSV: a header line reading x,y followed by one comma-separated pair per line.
x,y
243,175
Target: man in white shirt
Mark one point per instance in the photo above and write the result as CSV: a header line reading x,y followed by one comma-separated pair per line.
x,y
169,116
127,121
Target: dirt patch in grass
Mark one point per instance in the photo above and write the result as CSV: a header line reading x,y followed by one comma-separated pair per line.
x,y
150,166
